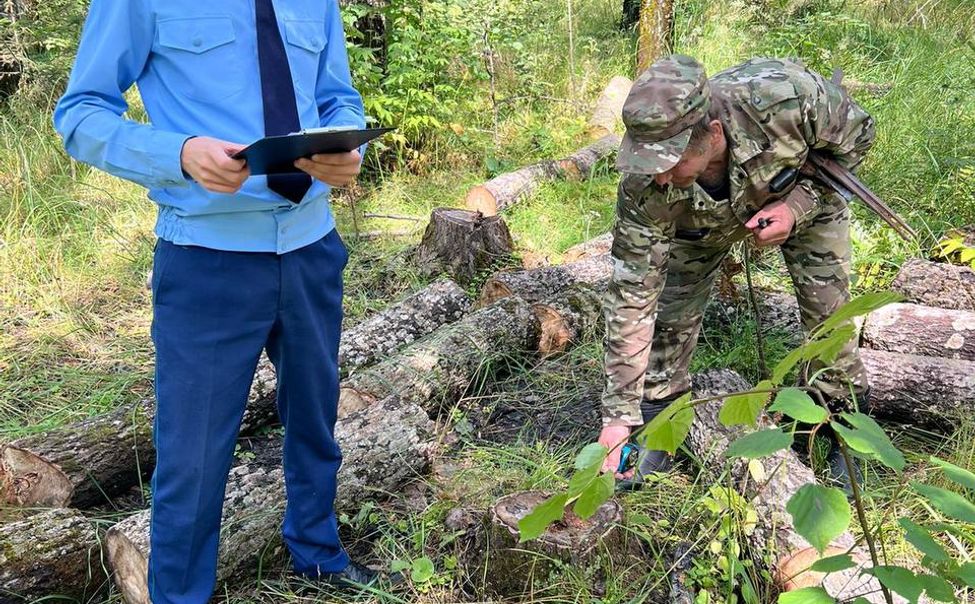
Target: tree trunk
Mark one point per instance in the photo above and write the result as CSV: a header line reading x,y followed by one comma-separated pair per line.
x,y
784,474
505,190
51,553
439,369
597,246
538,284
462,243
608,111
656,31
936,284
568,318
929,391
510,568
383,447
921,330
402,323
779,310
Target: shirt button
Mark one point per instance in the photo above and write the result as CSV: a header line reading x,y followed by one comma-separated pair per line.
x,y
197,42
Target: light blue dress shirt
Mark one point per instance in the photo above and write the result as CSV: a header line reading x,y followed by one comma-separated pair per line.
x,y
195,63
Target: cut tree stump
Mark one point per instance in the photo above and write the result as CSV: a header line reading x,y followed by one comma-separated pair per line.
x,y
402,323
538,284
784,474
511,568
608,111
436,371
921,330
505,190
567,318
928,391
383,447
51,553
936,284
462,243
597,246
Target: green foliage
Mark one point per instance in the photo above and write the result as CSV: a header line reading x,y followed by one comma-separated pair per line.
x,y
807,595
744,408
798,405
832,564
668,429
868,438
820,514
759,444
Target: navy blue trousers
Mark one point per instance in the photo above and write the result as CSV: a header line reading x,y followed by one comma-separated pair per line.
x,y
213,314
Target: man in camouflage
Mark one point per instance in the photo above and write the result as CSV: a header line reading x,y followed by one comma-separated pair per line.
x,y
698,160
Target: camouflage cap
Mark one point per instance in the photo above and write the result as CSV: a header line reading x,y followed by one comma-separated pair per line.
x,y
664,103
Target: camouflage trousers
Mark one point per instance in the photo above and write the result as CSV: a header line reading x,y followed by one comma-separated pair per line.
x,y
817,256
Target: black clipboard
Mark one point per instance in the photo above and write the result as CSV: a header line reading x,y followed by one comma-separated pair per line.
x,y
277,154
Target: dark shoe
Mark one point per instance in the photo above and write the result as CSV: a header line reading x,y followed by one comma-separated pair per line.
x,y
838,472
356,576
650,462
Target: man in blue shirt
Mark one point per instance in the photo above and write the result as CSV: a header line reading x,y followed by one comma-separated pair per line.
x,y
243,263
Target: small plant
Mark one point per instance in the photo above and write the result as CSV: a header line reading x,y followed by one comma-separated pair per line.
x,y
820,513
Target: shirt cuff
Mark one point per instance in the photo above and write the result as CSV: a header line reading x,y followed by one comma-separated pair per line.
x,y
803,202
167,166
617,412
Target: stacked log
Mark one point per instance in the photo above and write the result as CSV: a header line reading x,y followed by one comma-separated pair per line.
x,y
505,190
608,111
921,330
784,474
597,246
384,446
52,552
936,284
538,284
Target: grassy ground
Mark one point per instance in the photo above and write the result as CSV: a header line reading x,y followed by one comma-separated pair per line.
x,y
75,247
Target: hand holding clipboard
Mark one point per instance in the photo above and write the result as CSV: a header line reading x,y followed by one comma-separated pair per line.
x,y
277,154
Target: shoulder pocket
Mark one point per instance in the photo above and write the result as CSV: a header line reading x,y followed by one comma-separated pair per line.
x,y
196,35
763,97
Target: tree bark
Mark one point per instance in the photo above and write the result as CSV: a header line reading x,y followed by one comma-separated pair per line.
x,y
512,567
656,31
779,310
784,474
597,246
538,284
402,323
921,330
462,243
439,369
383,447
936,284
505,190
608,110
51,553
568,318
929,391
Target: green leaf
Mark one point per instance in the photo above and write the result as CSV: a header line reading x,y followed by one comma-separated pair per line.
x,y
581,479
806,595
535,522
966,573
423,570
898,579
868,438
744,408
861,600
398,566
833,564
860,305
820,514
759,444
798,405
959,476
824,349
937,588
967,254
596,494
919,537
950,503
667,431
591,454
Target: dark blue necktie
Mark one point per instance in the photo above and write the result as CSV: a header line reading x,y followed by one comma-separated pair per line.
x,y
278,94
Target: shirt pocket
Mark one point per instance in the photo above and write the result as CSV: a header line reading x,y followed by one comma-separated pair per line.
x,y
306,41
201,57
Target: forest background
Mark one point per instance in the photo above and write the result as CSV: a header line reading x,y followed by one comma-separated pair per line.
x,y
476,87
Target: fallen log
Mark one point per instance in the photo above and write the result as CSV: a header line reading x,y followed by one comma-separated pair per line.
x,y
439,369
402,323
936,284
608,111
928,391
921,330
681,561
568,317
50,553
597,246
384,446
510,568
779,310
538,284
774,533
462,243
505,190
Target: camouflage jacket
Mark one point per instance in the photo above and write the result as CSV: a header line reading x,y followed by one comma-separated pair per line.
x,y
773,112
